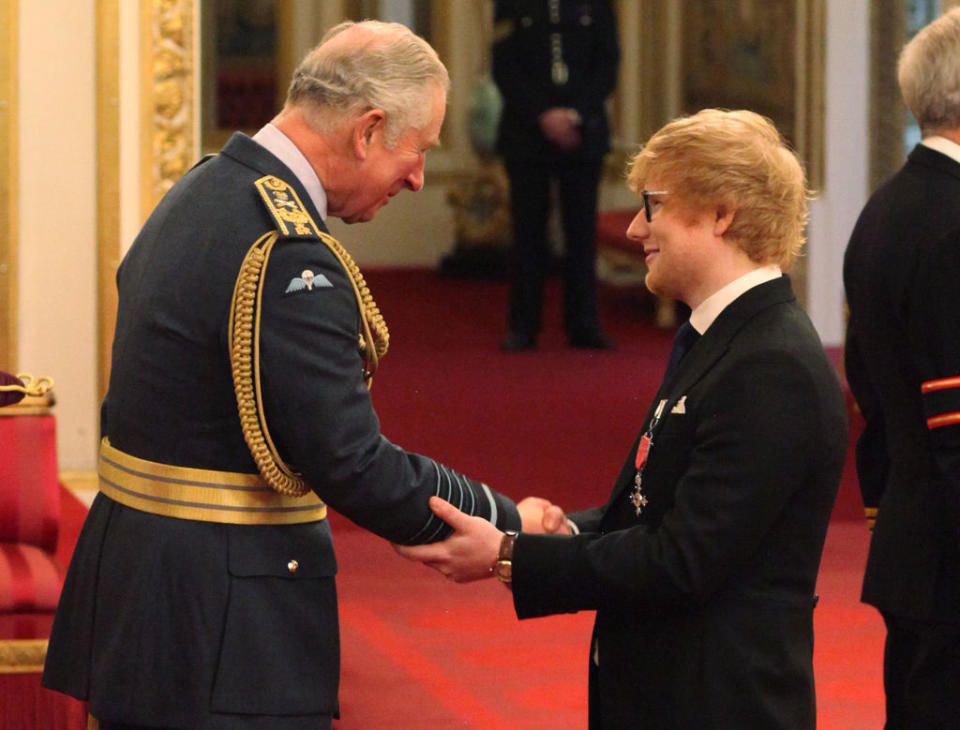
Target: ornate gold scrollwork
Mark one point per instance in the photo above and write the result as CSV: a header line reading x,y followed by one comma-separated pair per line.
x,y
172,98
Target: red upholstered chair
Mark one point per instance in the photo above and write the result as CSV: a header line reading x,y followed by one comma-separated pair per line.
x,y
30,578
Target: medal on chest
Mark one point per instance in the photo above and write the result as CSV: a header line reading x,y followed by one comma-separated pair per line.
x,y
637,498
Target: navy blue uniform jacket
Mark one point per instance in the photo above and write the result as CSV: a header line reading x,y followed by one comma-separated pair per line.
x,y
163,621
705,602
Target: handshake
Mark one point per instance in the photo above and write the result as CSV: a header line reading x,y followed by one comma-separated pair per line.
x,y
471,551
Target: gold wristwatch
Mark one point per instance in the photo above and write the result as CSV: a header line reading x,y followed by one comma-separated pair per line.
x,y
503,568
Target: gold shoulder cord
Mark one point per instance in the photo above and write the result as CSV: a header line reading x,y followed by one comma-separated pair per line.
x,y
376,337
244,337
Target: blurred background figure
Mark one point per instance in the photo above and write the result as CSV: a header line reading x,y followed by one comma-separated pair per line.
x,y
555,62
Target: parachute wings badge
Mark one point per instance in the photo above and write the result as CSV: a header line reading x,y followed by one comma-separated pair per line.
x,y
307,280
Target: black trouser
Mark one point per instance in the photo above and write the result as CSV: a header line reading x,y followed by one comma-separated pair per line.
x,y
921,674
530,207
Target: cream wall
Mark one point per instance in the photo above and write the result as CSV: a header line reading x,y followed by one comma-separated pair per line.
x,y
846,144
57,205
57,208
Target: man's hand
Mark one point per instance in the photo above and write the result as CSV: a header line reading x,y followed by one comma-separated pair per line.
x,y
538,515
468,554
561,126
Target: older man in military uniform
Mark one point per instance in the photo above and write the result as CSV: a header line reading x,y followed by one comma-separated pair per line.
x,y
201,593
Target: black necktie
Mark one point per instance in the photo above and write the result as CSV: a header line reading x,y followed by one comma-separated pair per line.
x,y
682,342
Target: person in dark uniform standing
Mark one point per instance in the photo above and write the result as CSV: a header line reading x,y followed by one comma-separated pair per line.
x,y
555,63
702,564
901,272
201,592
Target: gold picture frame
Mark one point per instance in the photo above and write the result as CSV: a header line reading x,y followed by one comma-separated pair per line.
x,y
762,55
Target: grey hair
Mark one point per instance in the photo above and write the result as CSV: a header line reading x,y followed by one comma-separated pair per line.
x,y
388,68
929,74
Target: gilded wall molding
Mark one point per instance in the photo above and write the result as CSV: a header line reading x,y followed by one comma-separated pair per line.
x,y
9,176
887,111
108,181
167,111
811,102
168,134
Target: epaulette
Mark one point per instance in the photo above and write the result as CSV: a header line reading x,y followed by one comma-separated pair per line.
x,y
293,220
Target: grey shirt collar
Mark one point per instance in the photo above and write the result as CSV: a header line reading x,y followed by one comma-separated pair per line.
x,y
283,148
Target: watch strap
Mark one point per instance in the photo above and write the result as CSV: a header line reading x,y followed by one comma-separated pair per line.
x,y
503,567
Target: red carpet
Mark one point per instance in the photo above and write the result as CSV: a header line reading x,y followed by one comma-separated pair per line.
x,y
420,653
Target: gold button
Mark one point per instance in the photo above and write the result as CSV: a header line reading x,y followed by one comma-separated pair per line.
x,y
292,566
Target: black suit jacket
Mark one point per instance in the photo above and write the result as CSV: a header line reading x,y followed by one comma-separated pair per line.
x,y
163,621
524,50
704,602
901,273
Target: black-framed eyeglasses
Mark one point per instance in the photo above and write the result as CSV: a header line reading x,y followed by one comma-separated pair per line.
x,y
645,194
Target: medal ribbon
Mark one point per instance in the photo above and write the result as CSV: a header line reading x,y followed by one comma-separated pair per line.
x,y
637,497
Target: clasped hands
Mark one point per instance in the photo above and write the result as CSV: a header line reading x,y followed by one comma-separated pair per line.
x,y
470,552
561,125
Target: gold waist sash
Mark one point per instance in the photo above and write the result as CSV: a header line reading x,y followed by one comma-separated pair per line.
x,y
200,494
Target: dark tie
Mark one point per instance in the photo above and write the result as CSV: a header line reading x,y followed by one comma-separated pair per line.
x,y
682,342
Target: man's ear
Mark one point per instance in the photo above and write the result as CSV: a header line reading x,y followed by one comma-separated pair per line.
x,y
725,215
365,127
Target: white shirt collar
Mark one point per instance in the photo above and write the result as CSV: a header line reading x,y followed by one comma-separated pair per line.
x,y
942,144
283,148
709,309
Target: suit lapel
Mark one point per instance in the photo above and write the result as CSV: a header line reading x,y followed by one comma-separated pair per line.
x,y
704,355
716,340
